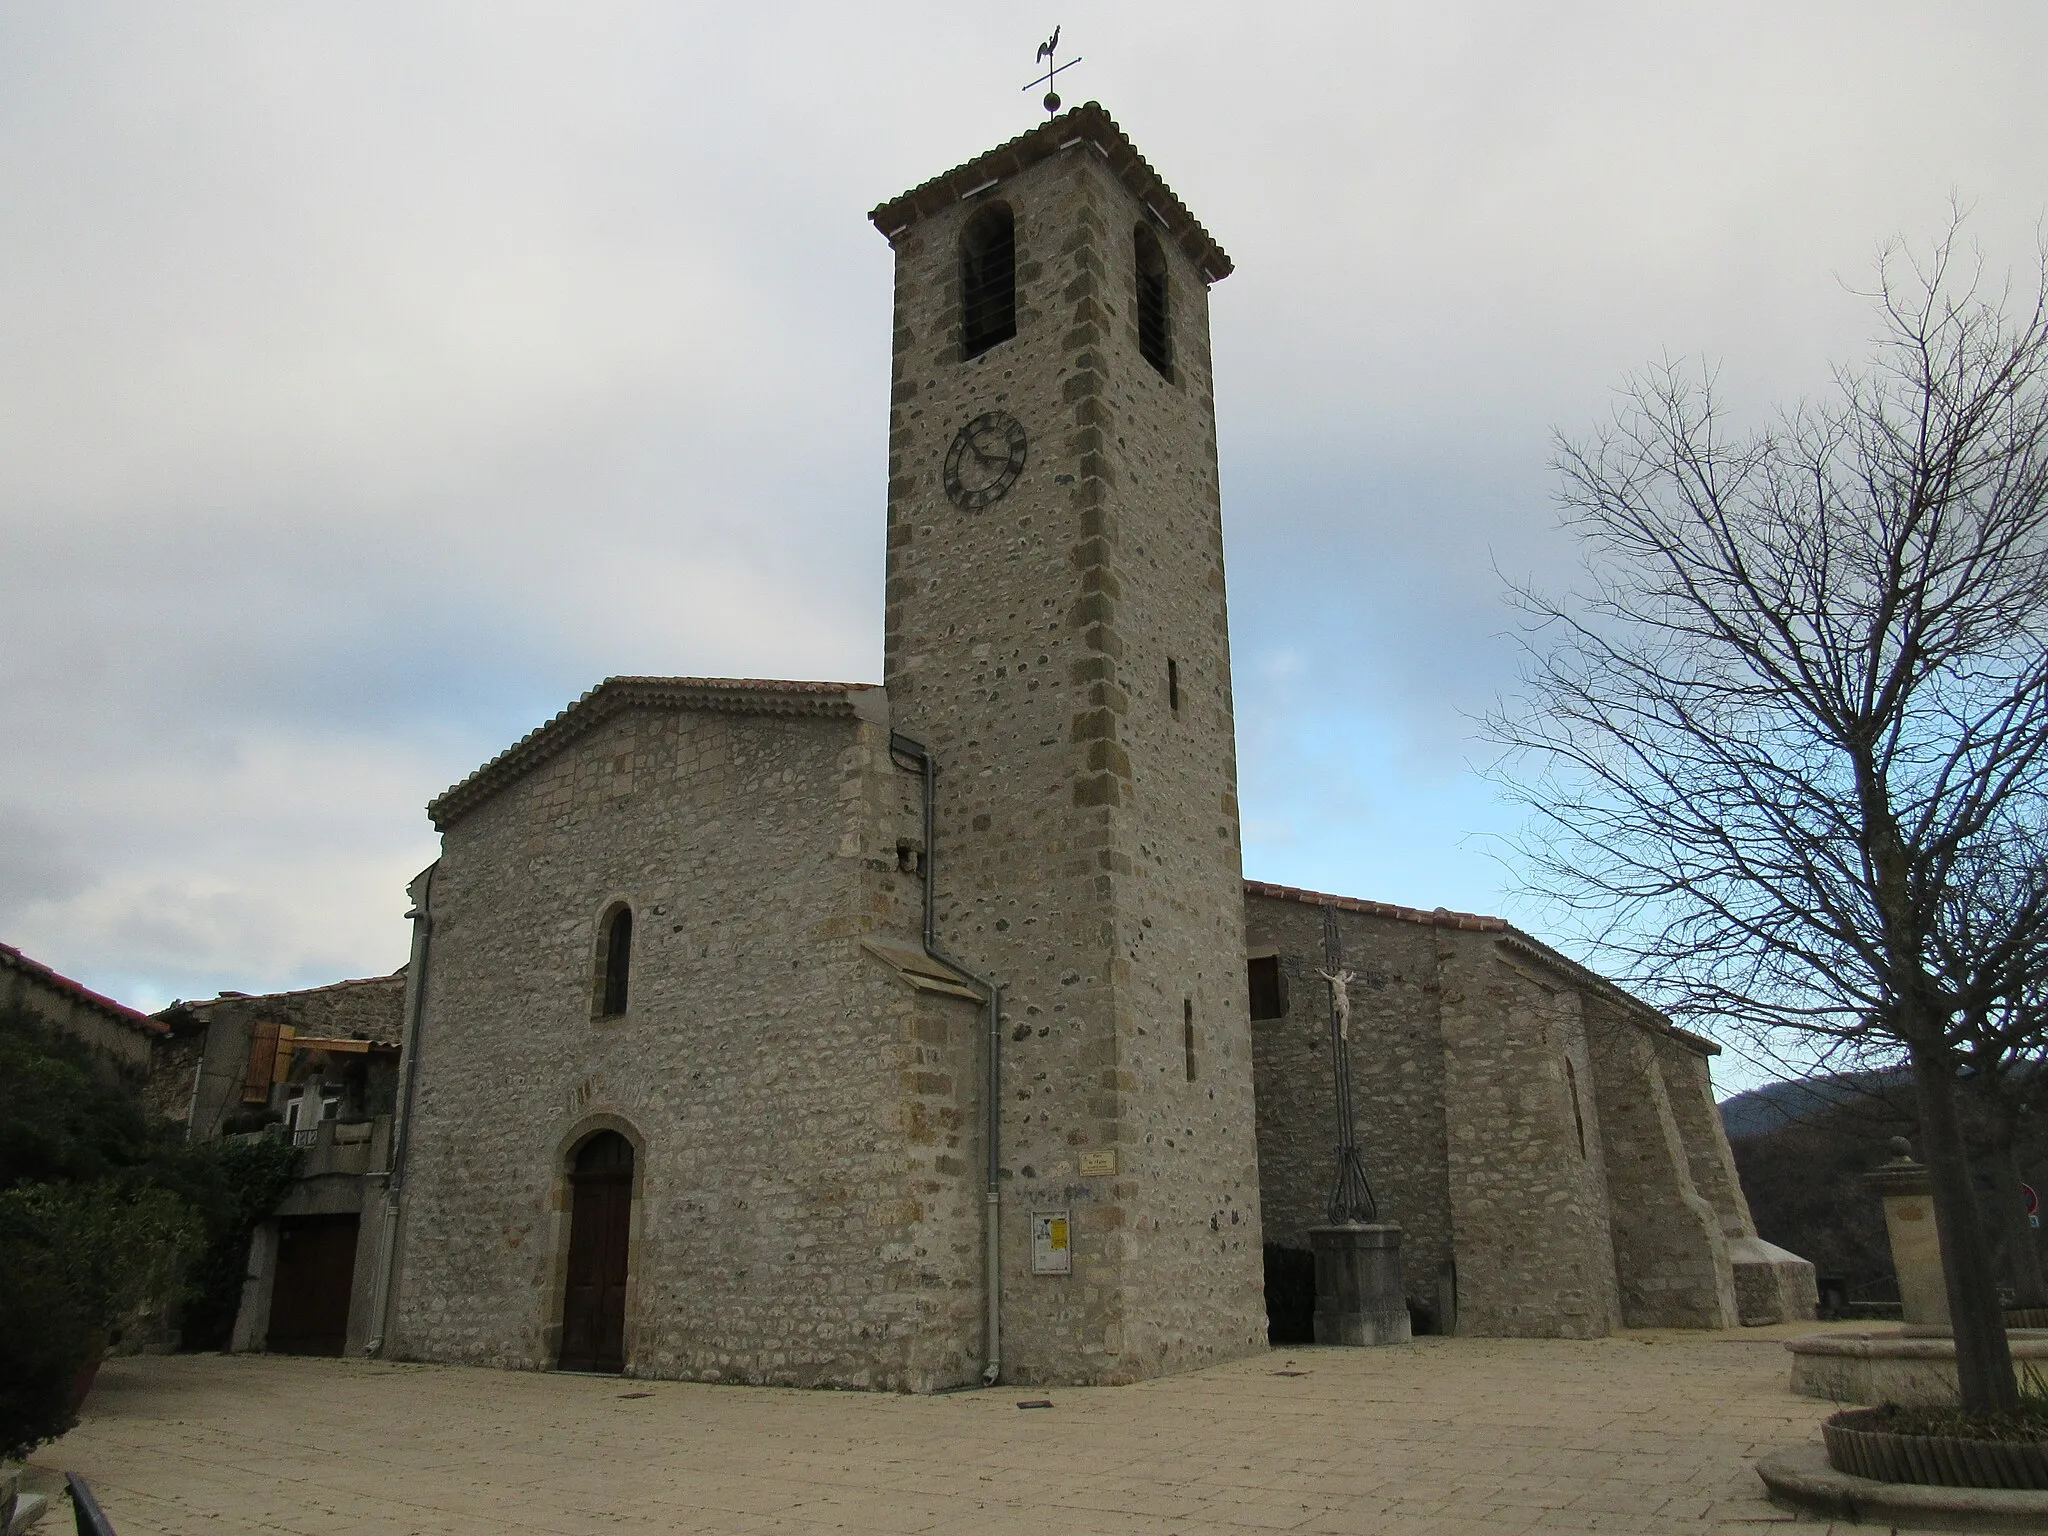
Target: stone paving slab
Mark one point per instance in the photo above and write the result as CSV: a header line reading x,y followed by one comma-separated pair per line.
x,y
1650,1433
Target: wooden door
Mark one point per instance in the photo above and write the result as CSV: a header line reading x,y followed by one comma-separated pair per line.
x,y
600,1220
316,1267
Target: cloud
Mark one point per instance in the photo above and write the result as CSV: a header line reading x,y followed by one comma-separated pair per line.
x,y
375,379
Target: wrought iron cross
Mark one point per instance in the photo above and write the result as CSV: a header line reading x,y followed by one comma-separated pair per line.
x,y
1351,1198
1046,50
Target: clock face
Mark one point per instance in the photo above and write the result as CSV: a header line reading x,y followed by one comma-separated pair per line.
x,y
985,460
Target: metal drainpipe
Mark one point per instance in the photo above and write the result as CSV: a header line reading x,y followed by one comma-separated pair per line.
x,y
387,1253
992,1093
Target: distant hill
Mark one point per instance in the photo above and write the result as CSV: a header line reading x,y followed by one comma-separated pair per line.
x,y
1780,1104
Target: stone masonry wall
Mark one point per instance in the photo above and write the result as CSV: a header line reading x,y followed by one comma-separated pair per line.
x,y
1528,1198
1477,1120
120,1043
1708,1156
1670,1257
1087,850
1397,1072
806,1206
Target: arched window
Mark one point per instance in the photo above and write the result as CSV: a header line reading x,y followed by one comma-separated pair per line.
x,y
988,280
614,962
1155,328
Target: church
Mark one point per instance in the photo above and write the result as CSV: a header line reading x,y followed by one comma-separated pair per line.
x,y
922,1034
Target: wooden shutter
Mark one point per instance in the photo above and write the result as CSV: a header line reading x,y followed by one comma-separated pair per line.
x,y
262,1062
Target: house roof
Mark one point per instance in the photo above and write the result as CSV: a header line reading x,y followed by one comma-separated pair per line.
x,y
1524,944
1088,124
615,695
13,959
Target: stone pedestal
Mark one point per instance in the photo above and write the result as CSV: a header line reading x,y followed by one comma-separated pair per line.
x,y
1888,1366
1908,1195
1360,1294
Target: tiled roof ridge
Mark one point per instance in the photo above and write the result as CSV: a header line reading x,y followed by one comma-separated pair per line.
x,y
14,959
1528,944
1088,121
738,695
265,997
1441,917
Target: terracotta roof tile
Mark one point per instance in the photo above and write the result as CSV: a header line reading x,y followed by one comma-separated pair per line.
x,y
1087,123
14,960
731,695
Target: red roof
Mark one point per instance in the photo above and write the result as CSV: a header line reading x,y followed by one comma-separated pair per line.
x,y
14,960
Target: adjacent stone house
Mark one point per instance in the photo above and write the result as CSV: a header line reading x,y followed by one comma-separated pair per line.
x,y
320,1066
122,1040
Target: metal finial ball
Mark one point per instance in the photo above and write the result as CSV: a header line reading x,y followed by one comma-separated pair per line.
x,y
1052,101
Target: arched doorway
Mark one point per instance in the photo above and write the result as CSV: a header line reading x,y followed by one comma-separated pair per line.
x,y
600,1216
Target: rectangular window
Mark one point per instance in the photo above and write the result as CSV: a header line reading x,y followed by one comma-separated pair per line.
x,y
1268,993
1187,1035
1173,685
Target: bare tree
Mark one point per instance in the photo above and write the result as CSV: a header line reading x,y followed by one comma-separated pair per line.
x,y
2002,1021
1802,698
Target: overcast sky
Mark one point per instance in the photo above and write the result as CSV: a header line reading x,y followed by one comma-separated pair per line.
x,y
376,378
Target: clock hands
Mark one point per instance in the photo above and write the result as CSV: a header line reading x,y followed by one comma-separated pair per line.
x,y
986,458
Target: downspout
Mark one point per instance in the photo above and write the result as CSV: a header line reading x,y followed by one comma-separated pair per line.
x,y
992,1090
415,1006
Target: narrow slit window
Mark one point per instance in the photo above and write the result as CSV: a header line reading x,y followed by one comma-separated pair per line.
x,y
988,280
1571,1081
614,961
1155,316
1173,685
1187,1035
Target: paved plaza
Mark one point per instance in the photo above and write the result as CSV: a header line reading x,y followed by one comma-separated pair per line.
x,y
1652,1432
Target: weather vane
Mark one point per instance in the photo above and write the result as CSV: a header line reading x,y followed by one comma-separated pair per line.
x,y
1046,50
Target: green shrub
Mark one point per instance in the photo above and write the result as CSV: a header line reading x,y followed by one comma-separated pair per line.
x,y
86,1170
116,1249
62,1121
45,1342
249,1178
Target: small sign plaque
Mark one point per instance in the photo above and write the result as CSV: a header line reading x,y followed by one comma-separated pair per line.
x,y
1051,1248
1096,1165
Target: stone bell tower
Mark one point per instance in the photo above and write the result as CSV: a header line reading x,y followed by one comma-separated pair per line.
x,y
1056,638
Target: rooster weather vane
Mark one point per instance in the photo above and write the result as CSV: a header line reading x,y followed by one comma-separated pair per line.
x,y
1046,50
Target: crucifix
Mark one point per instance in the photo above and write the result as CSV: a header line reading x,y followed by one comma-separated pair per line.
x,y
1046,50
1351,1198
